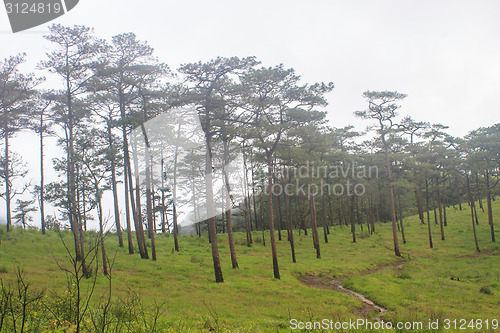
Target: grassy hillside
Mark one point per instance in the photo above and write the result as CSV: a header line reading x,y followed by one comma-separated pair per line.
x,y
450,281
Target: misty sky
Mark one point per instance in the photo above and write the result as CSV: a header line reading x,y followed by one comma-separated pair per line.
x,y
444,54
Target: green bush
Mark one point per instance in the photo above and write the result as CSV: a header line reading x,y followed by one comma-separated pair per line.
x,y
486,290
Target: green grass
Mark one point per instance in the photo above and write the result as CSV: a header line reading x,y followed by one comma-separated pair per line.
x,y
449,281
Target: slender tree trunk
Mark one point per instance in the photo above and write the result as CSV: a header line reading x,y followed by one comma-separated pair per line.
x,y
428,214
149,204
72,214
42,175
234,261
434,208
247,194
475,210
280,220
444,203
303,214
149,194
371,214
163,208
440,214
138,207
139,229
101,233
129,192
469,191
351,217
211,211
401,218
391,197
457,197
127,210
115,191
174,191
314,226
262,220
418,198
84,210
325,217
478,192
290,226
247,221
7,179
254,196
488,203
339,210
271,217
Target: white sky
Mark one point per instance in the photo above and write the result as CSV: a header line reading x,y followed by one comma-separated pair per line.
x,y
443,54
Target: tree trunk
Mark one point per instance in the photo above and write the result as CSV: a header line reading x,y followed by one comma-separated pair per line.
x,y
428,214
358,214
254,197
401,218
115,191
280,219
371,214
129,193
325,217
72,215
488,203
290,227
303,214
478,192
234,261
42,175
211,211
163,208
339,210
136,207
271,217
434,208
101,234
475,210
127,210
314,226
262,220
440,213
351,217
149,204
469,191
247,221
391,197
444,203
418,199
7,180
174,190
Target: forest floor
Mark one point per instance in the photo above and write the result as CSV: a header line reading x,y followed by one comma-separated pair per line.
x,y
450,281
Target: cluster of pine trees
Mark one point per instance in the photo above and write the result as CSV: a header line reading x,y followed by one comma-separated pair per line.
x,y
108,88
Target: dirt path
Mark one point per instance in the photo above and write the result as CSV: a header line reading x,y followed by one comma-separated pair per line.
x,y
368,305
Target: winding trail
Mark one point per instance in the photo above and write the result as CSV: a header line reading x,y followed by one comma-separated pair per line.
x,y
368,305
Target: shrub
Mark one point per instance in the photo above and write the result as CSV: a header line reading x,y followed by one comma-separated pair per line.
x,y
486,290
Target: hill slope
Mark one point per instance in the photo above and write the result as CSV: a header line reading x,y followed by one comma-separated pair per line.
x,y
450,281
